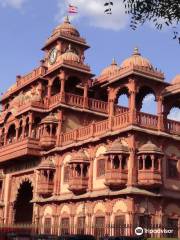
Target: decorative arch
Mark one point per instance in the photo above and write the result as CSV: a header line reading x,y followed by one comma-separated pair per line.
x,y
11,133
99,208
71,85
147,94
174,113
120,206
8,117
23,207
56,86
122,96
172,209
146,206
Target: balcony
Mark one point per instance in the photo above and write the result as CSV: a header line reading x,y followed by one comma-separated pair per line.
x,y
20,148
78,184
47,142
45,188
116,178
149,178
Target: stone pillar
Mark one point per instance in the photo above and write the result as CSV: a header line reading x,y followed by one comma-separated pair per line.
x,y
59,128
62,92
160,113
85,103
131,212
132,163
132,110
30,125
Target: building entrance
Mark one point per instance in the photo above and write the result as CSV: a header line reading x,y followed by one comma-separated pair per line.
x,y
23,207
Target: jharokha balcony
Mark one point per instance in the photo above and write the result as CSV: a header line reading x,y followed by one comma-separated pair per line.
x,y
115,178
79,167
78,184
149,165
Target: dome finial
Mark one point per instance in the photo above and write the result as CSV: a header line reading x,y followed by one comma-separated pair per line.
x,y
66,19
136,51
113,62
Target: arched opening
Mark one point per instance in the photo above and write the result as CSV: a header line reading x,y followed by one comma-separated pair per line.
x,y
146,101
20,130
11,133
174,114
122,98
56,87
26,132
23,207
73,85
116,162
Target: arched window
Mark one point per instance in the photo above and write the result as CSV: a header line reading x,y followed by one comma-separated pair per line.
x,y
174,114
116,162
148,162
123,100
56,87
11,133
145,100
149,104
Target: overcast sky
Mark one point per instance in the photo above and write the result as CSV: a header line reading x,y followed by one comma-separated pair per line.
x,y
26,24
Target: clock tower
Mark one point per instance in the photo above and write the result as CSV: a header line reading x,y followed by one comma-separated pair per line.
x,y
58,43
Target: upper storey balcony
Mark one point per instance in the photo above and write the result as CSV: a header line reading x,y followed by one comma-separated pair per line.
x,y
18,143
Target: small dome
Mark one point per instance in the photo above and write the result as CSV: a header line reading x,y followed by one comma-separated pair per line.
x,y
117,148
176,80
69,55
50,119
46,163
67,27
79,156
110,69
136,60
150,147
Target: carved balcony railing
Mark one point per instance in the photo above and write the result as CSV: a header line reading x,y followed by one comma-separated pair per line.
x,y
149,178
20,148
45,188
78,184
47,141
116,178
147,120
173,126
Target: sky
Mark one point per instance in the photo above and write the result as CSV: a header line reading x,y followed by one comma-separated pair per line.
x,y
26,24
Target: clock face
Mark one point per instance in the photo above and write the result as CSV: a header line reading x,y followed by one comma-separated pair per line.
x,y
53,56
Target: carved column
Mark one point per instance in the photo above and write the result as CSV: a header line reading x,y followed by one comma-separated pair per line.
x,y
62,92
85,103
160,113
59,128
132,168
132,101
131,211
30,125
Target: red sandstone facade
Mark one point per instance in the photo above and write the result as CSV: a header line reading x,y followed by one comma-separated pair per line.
x,y
70,154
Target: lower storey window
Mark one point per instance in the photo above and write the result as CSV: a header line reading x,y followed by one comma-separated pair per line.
x,y
81,225
119,225
172,224
47,226
99,228
65,224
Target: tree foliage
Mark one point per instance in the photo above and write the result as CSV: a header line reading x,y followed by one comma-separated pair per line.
x,y
160,12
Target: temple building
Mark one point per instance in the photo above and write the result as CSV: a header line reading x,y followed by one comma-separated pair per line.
x,y
72,159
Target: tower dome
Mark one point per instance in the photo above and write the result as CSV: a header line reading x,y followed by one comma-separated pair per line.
x,y
176,80
67,27
69,55
136,60
110,69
